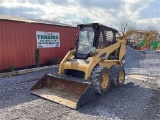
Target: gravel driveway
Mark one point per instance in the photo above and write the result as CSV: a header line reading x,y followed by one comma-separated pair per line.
x,y
136,99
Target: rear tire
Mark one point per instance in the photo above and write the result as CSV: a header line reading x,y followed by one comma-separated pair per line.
x,y
117,75
101,79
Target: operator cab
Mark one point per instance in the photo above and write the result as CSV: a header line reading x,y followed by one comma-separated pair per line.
x,y
93,36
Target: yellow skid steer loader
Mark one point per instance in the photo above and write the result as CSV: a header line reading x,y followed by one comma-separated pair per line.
x,y
90,69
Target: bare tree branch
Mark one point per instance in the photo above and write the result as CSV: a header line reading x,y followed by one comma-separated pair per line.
x,y
124,24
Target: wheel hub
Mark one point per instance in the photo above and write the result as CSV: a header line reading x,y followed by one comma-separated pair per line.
x,y
105,80
121,77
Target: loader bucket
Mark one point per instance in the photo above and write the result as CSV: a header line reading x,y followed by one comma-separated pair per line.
x,y
65,90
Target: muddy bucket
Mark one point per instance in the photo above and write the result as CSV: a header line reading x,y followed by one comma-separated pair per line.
x,y
69,91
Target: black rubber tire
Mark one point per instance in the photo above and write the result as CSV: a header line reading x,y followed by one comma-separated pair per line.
x,y
115,70
97,79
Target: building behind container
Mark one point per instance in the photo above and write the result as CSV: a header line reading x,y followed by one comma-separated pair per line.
x,y
18,41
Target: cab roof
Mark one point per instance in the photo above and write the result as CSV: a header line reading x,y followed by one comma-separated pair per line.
x,y
97,26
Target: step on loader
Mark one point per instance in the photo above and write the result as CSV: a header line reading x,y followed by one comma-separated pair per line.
x,y
90,69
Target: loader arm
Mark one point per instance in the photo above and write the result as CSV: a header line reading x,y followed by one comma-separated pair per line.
x,y
105,62
121,44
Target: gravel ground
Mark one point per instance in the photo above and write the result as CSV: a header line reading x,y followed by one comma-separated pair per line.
x,y
142,62
136,99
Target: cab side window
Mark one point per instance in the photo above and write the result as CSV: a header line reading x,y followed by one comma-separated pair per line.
x,y
106,38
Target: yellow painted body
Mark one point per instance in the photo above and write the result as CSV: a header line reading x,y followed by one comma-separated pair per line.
x,y
80,65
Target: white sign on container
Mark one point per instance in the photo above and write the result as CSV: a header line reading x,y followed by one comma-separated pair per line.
x,y
47,39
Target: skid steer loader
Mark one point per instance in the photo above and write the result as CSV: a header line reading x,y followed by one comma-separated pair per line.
x,y
90,69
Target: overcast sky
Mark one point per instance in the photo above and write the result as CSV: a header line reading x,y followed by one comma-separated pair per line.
x,y
142,13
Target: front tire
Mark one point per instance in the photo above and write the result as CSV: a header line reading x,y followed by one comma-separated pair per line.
x,y
101,79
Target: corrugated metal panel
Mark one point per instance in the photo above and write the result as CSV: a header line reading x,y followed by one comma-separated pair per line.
x,y
30,20
18,43
1,49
